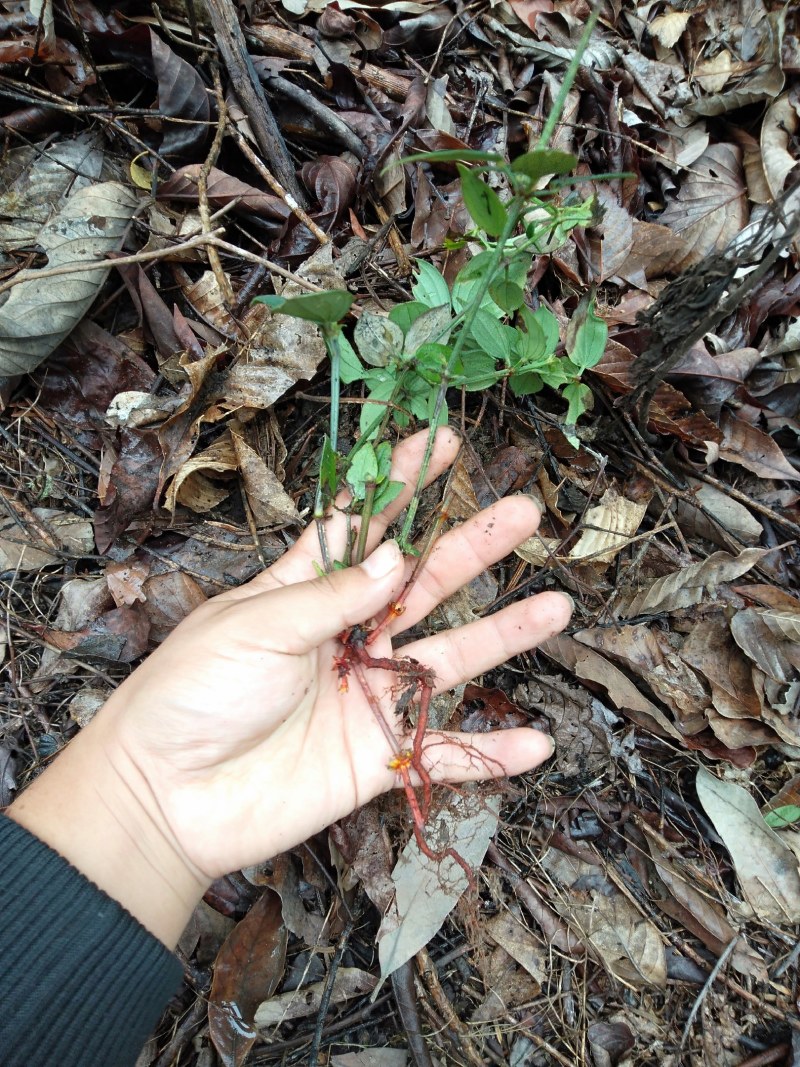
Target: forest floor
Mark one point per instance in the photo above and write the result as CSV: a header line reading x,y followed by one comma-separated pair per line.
x,y
160,441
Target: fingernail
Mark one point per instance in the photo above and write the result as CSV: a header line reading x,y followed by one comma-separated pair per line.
x,y
535,500
568,599
552,741
383,560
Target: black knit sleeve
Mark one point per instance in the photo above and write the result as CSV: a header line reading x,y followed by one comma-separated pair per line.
x,y
82,983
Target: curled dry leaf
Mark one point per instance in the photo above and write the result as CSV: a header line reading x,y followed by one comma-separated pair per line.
x,y
777,134
299,1004
766,868
689,586
591,666
427,891
40,312
608,527
772,641
753,449
249,967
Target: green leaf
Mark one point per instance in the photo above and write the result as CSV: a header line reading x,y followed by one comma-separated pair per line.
x,y
543,161
586,335
483,203
381,388
388,492
525,384
431,360
549,324
492,336
322,308
432,327
404,315
465,292
479,370
350,369
476,267
579,397
530,346
780,818
507,294
430,288
363,469
377,339
383,455
454,155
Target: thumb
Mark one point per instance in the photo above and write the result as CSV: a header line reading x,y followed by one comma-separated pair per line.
x,y
308,613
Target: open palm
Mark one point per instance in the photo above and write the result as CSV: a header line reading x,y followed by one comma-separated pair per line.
x,y
237,721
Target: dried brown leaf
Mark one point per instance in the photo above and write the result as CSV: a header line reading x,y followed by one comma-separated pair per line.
x,y
766,869
40,312
591,666
754,450
608,528
249,967
627,944
770,639
711,207
708,915
689,586
299,1004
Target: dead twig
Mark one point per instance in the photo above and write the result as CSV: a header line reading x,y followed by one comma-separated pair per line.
x,y
406,1000
221,277
197,241
704,991
230,40
276,186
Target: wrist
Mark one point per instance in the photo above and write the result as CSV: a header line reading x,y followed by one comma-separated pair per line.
x,y
94,807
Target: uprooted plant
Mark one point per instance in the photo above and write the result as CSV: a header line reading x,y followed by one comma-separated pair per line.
x,y
467,335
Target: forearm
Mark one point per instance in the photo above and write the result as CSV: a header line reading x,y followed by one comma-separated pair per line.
x,y
94,808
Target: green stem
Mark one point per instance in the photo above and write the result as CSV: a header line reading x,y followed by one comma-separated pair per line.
x,y
569,77
330,335
366,516
515,209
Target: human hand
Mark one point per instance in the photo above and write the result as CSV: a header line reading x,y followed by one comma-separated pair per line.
x,y
234,738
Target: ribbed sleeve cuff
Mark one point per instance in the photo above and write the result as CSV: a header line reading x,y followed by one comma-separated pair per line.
x,y
82,983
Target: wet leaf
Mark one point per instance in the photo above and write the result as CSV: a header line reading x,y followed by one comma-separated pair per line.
x,y
765,867
247,971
